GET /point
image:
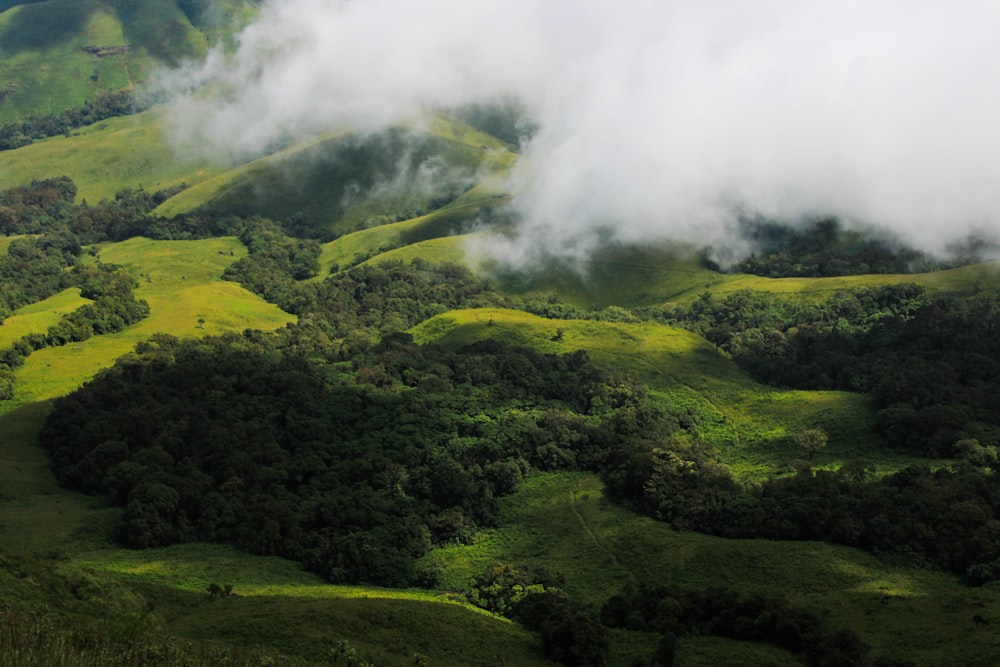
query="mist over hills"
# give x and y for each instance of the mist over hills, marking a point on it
(654, 120)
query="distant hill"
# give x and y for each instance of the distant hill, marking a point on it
(57, 54)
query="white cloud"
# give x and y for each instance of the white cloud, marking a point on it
(658, 119)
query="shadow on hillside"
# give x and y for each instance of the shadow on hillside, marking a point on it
(7, 4)
(41, 27)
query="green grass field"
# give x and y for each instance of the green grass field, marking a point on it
(181, 280)
(38, 317)
(106, 157)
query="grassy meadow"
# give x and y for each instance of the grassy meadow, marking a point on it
(182, 282)
(103, 158)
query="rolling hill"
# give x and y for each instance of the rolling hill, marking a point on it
(427, 191)
(58, 54)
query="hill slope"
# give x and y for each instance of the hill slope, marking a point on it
(58, 54)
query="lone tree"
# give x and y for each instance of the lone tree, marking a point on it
(812, 440)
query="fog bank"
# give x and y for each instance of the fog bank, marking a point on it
(657, 119)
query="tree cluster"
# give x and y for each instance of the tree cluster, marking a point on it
(929, 360)
(353, 468)
(572, 633)
(724, 612)
(107, 104)
(824, 248)
(47, 206)
(502, 586)
(34, 269)
(37, 207)
(944, 519)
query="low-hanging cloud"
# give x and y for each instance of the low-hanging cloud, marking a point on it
(657, 119)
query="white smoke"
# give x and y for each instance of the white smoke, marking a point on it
(657, 118)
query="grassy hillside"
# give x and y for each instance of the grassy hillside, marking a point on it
(442, 224)
(342, 181)
(181, 280)
(565, 523)
(43, 65)
(751, 424)
(106, 157)
(57, 54)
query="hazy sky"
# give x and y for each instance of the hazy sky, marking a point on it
(659, 119)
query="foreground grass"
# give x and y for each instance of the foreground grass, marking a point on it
(389, 626)
(64, 562)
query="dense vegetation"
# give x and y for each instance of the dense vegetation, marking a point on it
(825, 248)
(354, 469)
(47, 206)
(720, 611)
(941, 519)
(929, 360)
(108, 104)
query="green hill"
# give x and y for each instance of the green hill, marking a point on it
(107, 157)
(342, 182)
(57, 54)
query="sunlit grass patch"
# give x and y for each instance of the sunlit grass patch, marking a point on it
(39, 316)
(181, 281)
(103, 158)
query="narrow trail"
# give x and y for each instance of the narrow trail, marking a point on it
(597, 541)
